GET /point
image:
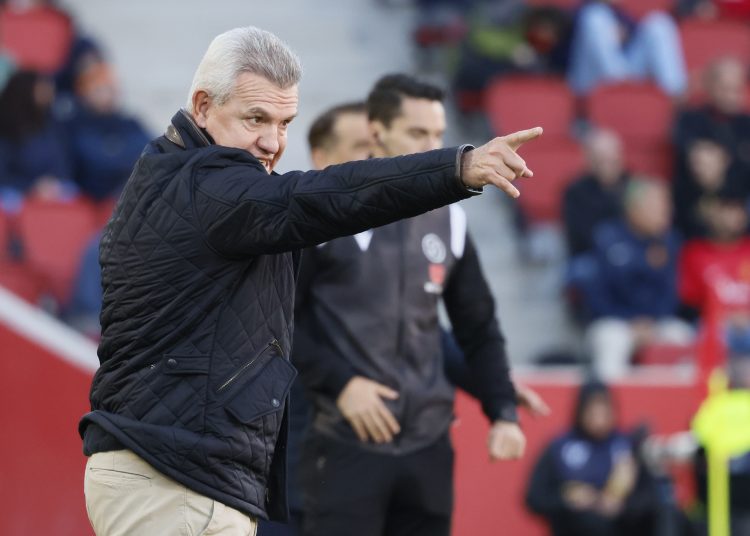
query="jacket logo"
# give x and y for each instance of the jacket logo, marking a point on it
(436, 273)
(433, 248)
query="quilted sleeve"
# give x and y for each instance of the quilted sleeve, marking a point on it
(245, 212)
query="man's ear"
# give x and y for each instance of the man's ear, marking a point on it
(318, 158)
(377, 131)
(201, 103)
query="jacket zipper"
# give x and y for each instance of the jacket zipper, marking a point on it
(274, 343)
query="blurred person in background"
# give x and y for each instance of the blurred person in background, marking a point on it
(340, 134)
(723, 118)
(85, 305)
(714, 9)
(188, 421)
(104, 142)
(511, 37)
(589, 481)
(707, 173)
(597, 195)
(378, 458)
(33, 155)
(608, 46)
(720, 264)
(632, 295)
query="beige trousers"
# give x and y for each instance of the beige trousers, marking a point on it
(125, 496)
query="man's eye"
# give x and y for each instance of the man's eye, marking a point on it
(254, 120)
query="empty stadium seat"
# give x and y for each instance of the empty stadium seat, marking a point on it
(54, 235)
(640, 8)
(520, 102)
(635, 110)
(18, 278)
(554, 166)
(642, 115)
(706, 41)
(38, 38)
(664, 354)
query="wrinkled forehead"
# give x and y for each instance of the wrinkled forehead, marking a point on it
(254, 92)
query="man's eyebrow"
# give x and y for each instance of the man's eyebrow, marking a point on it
(257, 110)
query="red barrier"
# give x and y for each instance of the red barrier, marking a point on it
(41, 473)
(490, 497)
(41, 468)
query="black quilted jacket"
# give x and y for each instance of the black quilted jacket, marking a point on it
(198, 272)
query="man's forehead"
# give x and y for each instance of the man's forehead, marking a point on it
(422, 111)
(255, 91)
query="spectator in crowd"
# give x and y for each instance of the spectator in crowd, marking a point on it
(368, 348)
(86, 300)
(608, 46)
(632, 293)
(104, 142)
(720, 263)
(589, 482)
(511, 37)
(707, 173)
(33, 156)
(722, 118)
(713, 9)
(597, 195)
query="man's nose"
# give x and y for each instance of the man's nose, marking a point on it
(268, 141)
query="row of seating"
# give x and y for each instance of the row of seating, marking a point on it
(41, 246)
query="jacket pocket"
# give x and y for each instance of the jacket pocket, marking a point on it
(182, 365)
(265, 390)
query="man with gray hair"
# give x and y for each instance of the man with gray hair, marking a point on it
(187, 432)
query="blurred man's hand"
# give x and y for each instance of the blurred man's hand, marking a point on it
(497, 163)
(530, 399)
(361, 404)
(505, 441)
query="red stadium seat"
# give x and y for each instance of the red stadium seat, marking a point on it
(21, 281)
(653, 160)
(54, 235)
(640, 8)
(636, 111)
(664, 354)
(554, 166)
(705, 41)
(520, 102)
(37, 38)
(642, 115)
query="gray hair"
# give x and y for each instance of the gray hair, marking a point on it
(244, 50)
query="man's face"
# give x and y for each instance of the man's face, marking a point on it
(255, 117)
(420, 127)
(350, 141)
(726, 88)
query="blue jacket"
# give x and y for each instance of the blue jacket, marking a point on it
(104, 149)
(634, 277)
(43, 153)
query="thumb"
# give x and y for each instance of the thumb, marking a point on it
(386, 392)
(516, 139)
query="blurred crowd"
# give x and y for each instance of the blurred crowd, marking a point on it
(643, 176)
(643, 190)
(66, 149)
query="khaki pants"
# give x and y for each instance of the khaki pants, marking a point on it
(126, 496)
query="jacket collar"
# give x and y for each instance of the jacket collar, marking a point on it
(184, 133)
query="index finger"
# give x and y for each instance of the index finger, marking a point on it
(516, 139)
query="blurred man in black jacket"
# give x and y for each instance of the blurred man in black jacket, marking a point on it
(378, 459)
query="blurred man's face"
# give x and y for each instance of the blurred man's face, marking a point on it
(597, 418)
(420, 127)
(708, 162)
(650, 214)
(255, 117)
(726, 87)
(604, 152)
(728, 220)
(350, 141)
